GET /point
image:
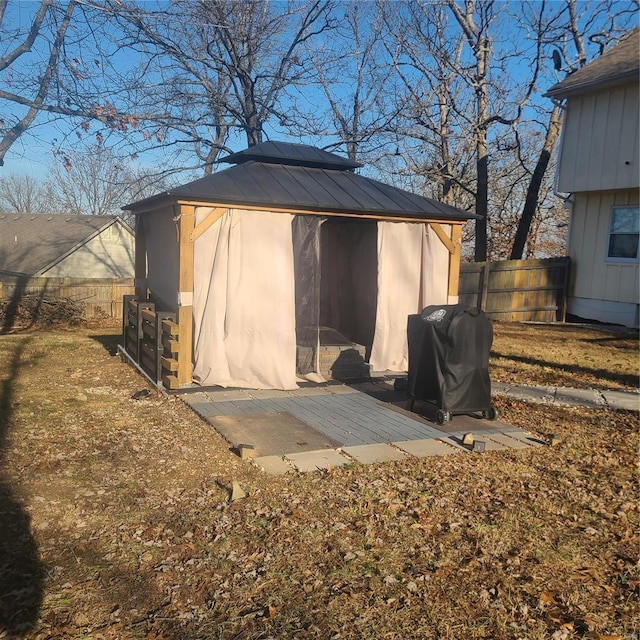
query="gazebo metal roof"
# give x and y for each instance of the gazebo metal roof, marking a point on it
(299, 177)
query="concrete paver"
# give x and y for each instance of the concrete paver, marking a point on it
(341, 390)
(506, 440)
(525, 437)
(611, 398)
(427, 447)
(221, 395)
(629, 400)
(315, 460)
(366, 418)
(536, 394)
(370, 453)
(489, 445)
(273, 465)
(260, 394)
(579, 397)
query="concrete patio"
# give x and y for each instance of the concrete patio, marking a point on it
(329, 425)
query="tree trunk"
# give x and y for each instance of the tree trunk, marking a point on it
(482, 162)
(482, 198)
(533, 190)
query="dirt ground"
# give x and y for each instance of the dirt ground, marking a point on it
(116, 522)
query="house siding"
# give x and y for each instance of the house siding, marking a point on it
(600, 289)
(600, 147)
(108, 255)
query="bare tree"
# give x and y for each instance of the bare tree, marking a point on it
(221, 68)
(472, 119)
(352, 72)
(23, 194)
(32, 94)
(475, 20)
(432, 139)
(56, 69)
(98, 183)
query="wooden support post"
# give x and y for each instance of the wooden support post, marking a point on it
(209, 221)
(444, 238)
(140, 281)
(454, 260)
(484, 286)
(562, 311)
(186, 223)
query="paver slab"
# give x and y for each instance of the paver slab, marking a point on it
(540, 394)
(272, 433)
(228, 394)
(629, 400)
(507, 440)
(341, 389)
(370, 453)
(490, 445)
(269, 393)
(578, 397)
(427, 447)
(314, 460)
(309, 391)
(526, 438)
(273, 465)
(465, 424)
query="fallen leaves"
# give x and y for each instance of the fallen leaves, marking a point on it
(130, 512)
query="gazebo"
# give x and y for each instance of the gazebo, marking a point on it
(289, 265)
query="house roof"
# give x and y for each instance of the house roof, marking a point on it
(298, 177)
(31, 244)
(618, 65)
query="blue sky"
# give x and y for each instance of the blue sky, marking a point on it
(33, 152)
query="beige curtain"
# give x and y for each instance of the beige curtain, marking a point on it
(244, 301)
(413, 272)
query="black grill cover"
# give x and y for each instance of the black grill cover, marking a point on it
(449, 357)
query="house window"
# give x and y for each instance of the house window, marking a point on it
(623, 233)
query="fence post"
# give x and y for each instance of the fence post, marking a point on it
(565, 290)
(484, 285)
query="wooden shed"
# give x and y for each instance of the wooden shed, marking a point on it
(288, 266)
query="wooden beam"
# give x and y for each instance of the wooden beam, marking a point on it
(324, 214)
(444, 238)
(170, 382)
(211, 218)
(186, 223)
(454, 260)
(169, 364)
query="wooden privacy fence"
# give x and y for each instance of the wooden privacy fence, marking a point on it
(99, 297)
(517, 290)
(151, 339)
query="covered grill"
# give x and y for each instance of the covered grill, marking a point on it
(449, 361)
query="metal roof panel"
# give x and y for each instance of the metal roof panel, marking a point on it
(287, 186)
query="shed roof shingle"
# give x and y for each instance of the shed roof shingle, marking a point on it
(616, 66)
(30, 243)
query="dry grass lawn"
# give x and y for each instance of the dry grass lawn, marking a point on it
(115, 519)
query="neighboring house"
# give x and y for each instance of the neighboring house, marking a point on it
(598, 166)
(66, 246)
